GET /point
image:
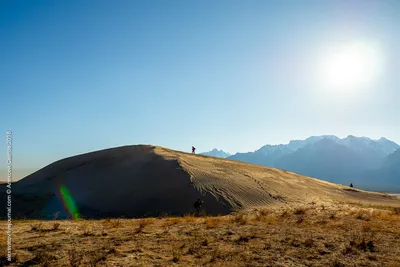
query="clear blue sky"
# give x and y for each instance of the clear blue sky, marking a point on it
(78, 76)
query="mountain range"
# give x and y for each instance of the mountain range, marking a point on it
(216, 153)
(370, 164)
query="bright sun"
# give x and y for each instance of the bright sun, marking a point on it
(351, 66)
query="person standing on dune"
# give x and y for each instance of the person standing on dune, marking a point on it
(193, 150)
(197, 206)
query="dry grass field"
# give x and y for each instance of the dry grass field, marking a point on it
(309, 235)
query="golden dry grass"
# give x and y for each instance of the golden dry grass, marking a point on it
(302, 236)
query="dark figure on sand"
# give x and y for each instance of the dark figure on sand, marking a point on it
(193, 150)
(197, 205)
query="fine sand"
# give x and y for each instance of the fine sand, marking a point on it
(136, 181)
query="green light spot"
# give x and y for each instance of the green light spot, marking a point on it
(69, 202)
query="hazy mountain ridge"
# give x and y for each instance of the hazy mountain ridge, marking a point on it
(393, 159)
(324, 159)
(350, 159)
(217, 153)
(266, 156)
(387, 174)
(382, 147)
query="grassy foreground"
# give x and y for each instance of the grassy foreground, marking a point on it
(304, 236)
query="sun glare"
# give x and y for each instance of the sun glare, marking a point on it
(351, 66)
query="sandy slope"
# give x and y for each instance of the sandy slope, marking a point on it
(146, 180)
(246, 185)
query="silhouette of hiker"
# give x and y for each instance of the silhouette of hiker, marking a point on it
(197, 205)
(351, 184)
(193, 150)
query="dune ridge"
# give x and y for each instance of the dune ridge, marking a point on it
(246, 185)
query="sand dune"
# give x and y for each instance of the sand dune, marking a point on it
(246, 185)
(145, 180)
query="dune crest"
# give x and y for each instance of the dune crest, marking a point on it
(248, 186)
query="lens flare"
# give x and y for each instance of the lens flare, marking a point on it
(69, 202)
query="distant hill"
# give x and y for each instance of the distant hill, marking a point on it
(266, 156)
(136, 181)
(387, 177)
(216, 153)
(393, 161)
(326, 157)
